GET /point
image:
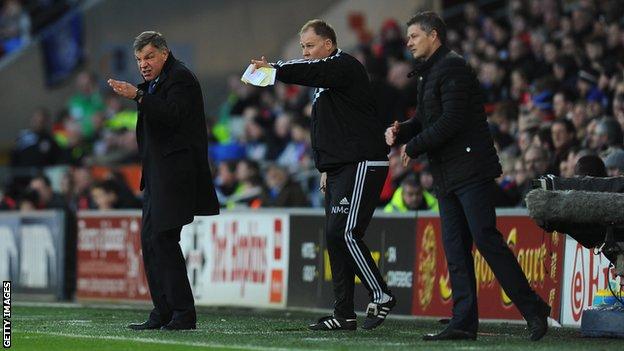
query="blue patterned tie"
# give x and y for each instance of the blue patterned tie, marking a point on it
(152, 87)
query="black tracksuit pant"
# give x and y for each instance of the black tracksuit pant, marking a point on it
(165, 269)
(351, 195)
(467, 215)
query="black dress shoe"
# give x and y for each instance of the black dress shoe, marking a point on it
(538, 324)
(177, 325)
(147, 325)
(450, 334)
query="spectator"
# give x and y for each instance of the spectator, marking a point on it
(85, 103)
(296, 154)
(14, 26)
(563, 103)
(226, 182)
(281, 190)
(250, 190)
(563, 137)
(408, 197)
(47, 198)
(256, 138)
(35, 147)
(81, 182)
(536, 161)
(615, 163)
(606, 134)
(281, 135)
(105, 195)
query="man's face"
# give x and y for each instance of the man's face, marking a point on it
(314, 47)
(560, 105)
(560, 135)
(419, 42)
(103, 199)
(151, 61)
(412, 196)
(44, 191)
(598, 138)
(535, 162)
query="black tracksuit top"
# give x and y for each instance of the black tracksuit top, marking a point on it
(345, 128)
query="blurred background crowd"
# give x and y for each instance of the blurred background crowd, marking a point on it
(551, 72)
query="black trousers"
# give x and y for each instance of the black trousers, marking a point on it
(350, 199)
(468, 215)
(165, 268)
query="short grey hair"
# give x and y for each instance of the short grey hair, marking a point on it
(150, 37)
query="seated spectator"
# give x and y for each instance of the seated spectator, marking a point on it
(47, 197)
(105, 195)
(256, 138)
(408, 197)
(35, 147)
(536, 161)
(85, 103)
(296, 154)
(250, 190)
(281, 190)
(563, 103)
(225, 182)
(564, 137)
(281, 135)
(14, 26)
(606, 134)
(614, 163)
(81, 182)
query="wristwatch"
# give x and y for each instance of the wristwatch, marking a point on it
(139, 95)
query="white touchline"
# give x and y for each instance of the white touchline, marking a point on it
(168, 342)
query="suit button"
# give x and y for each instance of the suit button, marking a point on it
(420, 78)
(468, 149)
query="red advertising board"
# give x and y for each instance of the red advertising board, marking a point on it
(540, 255)
(109, 260)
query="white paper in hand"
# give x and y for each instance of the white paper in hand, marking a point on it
(260, 77)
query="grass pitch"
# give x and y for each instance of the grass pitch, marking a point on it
(72, 327)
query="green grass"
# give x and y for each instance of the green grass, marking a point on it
(56, 327)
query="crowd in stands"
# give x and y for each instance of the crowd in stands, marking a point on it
(551, 72)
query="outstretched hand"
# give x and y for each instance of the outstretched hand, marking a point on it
(122, 88)
(260, 63)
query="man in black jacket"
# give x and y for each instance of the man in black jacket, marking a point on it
(348, 149)
(176, 178)
(451, 128)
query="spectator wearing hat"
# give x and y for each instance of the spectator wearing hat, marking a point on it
(606, 134)
(614, 163)
(587, 86)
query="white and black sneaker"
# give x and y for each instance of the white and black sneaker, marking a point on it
(334, 323)
(376, 313)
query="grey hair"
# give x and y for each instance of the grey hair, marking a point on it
(150, 37)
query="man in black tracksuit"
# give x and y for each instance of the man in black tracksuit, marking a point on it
(451, 128)
(349, 151)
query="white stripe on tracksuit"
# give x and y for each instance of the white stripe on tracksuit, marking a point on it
(354, 249)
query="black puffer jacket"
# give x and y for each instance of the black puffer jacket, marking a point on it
(450, 124)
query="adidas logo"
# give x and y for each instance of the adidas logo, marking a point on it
(344, 201)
